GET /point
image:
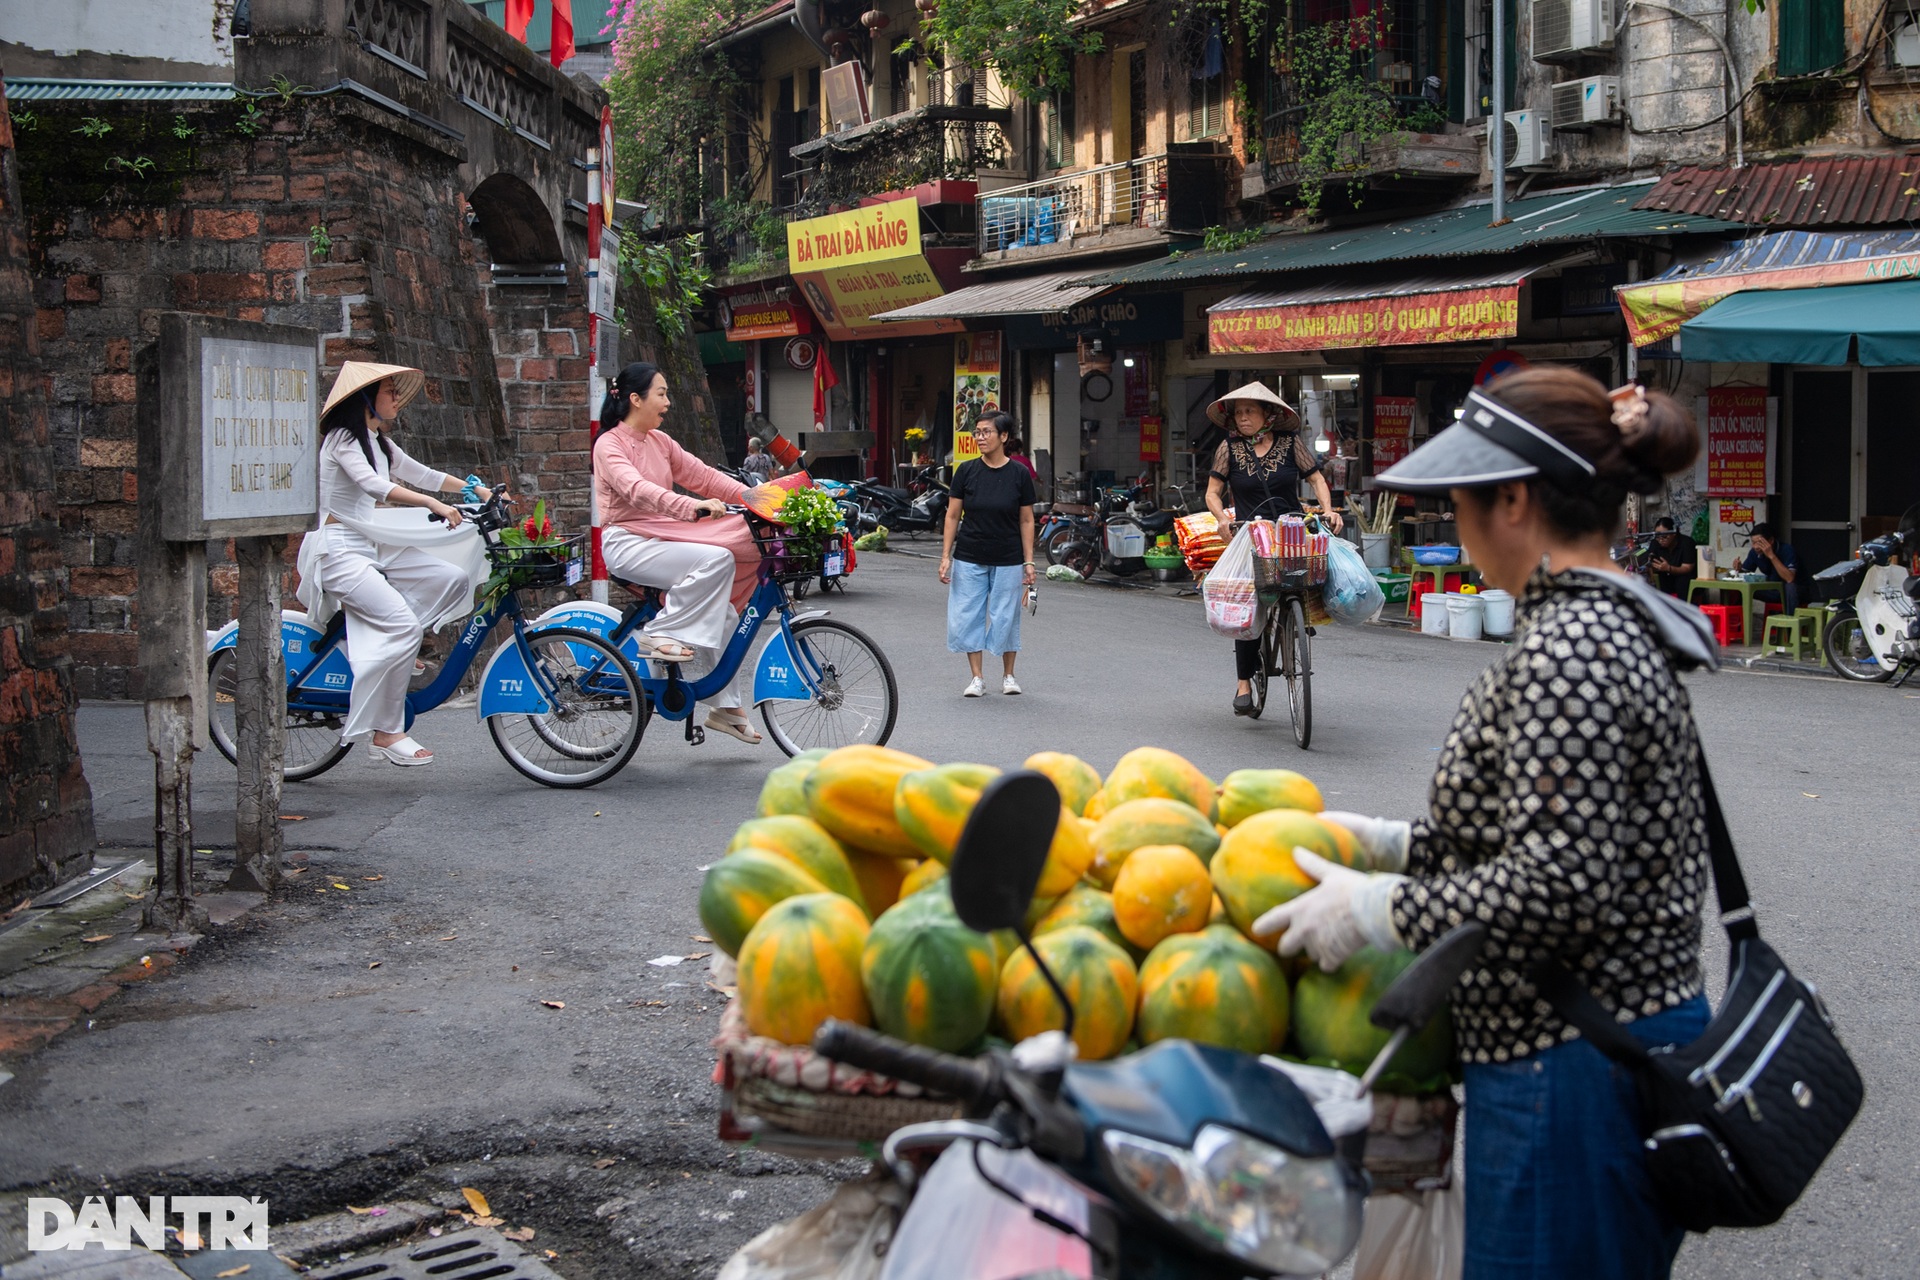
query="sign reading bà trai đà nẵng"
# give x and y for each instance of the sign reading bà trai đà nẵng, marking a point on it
(1455, 315)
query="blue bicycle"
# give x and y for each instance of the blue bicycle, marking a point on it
(563, 700)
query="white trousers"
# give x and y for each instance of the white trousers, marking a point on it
(698, 580)
(385, 592)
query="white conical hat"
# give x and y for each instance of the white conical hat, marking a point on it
(1256, 391)
(358, 374)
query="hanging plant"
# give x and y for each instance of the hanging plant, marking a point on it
(1029, 42)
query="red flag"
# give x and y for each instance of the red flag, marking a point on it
(562, 45)
(824, 379)
(519, 14)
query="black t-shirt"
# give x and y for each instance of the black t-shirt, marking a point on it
(990, 499)
(1683, 551)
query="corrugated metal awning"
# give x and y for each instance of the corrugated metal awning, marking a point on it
(1858, 190)
(1029, 296)
(1656, 308)
(30, 89)
(1608, 212)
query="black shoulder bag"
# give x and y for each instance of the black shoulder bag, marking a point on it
(1737, 1122)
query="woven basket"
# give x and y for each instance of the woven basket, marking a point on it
(852, 1117)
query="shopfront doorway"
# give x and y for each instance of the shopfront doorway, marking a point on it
(1854, 446)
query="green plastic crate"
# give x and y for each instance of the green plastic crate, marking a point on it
(1395, 585)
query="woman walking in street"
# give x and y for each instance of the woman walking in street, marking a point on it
(758, 466)
(986, 553)
(1567, 816)
(1259, 467)
(391, 593)
(705, 560)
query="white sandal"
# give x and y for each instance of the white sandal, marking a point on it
(664, 650)
(734, 724)
(402, 753)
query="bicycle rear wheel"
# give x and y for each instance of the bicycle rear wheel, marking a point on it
(855, 698)
(313, 740)
(1297, 666)
(595, 716)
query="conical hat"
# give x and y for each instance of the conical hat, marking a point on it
(1217, 411)
(356, 375)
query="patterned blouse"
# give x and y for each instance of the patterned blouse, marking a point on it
(1264, 485)
(1567, 816)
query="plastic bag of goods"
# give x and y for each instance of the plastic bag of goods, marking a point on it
(1232, 608)
(1353, 594)
(1199, 539)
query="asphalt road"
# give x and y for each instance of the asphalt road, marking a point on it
(344, 1046)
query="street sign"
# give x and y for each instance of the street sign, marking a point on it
(238, 413)
(609, 272)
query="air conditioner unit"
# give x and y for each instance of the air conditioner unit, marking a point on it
(1588, 101)
(1567, 29)
(1529, 139)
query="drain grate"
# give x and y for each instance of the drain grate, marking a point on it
(478, 1254)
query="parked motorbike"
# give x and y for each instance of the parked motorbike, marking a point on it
(1181, 1160)
(1123, 526)
(919, 508)
(1872, 629)
(1061, 523)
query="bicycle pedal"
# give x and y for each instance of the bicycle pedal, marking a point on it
(1312, 632)
(696, 736)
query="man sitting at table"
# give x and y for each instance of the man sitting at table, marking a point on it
(1674, 558)
(1776, 560)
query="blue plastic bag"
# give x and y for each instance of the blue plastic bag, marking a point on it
(1353, 595)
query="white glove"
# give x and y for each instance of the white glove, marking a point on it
(1347, 910)
(1383, 840)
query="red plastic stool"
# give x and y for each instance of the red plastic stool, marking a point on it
(1728, 625)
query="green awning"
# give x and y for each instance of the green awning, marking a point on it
(1557, 219)
(1810, 326)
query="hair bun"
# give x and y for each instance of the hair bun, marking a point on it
(1662, 440)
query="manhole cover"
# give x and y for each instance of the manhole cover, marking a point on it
(479, 1254)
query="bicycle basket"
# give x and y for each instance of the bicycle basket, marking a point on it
(549, 564)
(786, 556)
(1275, 576)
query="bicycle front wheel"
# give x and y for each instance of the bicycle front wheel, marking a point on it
(1297, 667)
(313, 741)
(855, 699)
(595, 716)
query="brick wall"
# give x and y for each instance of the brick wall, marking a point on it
(46, 810)
(227, 227)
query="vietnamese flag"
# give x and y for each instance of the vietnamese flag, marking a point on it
(824, 379)
(561, 47)
(519, 14)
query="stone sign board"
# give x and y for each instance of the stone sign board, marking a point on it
(239, 413)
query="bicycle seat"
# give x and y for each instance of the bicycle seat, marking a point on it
(645, 594)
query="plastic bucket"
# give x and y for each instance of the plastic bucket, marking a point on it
(1433, 613)
(1498, 619)
(1375, 549)
(1465, 616)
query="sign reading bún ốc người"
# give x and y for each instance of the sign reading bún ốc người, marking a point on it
(1456, 315)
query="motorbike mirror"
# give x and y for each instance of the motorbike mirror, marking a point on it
(1002, 850)
(1422, 987)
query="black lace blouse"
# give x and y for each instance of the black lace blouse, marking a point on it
(1264, 485)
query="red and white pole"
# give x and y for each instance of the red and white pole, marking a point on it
(596, 381)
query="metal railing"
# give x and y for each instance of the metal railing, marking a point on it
(1132, 193)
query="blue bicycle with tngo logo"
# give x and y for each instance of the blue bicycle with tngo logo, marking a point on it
(568, 696)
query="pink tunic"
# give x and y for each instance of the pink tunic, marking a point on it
(633, 479)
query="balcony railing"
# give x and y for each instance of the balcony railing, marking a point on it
(927, 144)
(1173, 191)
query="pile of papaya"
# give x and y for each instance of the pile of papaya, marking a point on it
(833, 902)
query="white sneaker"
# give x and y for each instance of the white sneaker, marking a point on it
(1009, 685)
(976, 687)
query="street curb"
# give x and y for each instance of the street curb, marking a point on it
(332, 1234)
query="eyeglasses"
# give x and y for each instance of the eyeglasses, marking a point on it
(985, 431)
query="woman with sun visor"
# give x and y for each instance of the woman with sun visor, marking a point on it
(1566, 815)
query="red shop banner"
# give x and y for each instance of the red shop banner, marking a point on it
(1737, 442)
(1455, 315)
(1150, 431)
(1392, 429)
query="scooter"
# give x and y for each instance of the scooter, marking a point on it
(1124, 525)
(1181, 1160)
(903, 510)
(1872, 629)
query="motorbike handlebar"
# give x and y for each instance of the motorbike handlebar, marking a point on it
(964, 1078)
